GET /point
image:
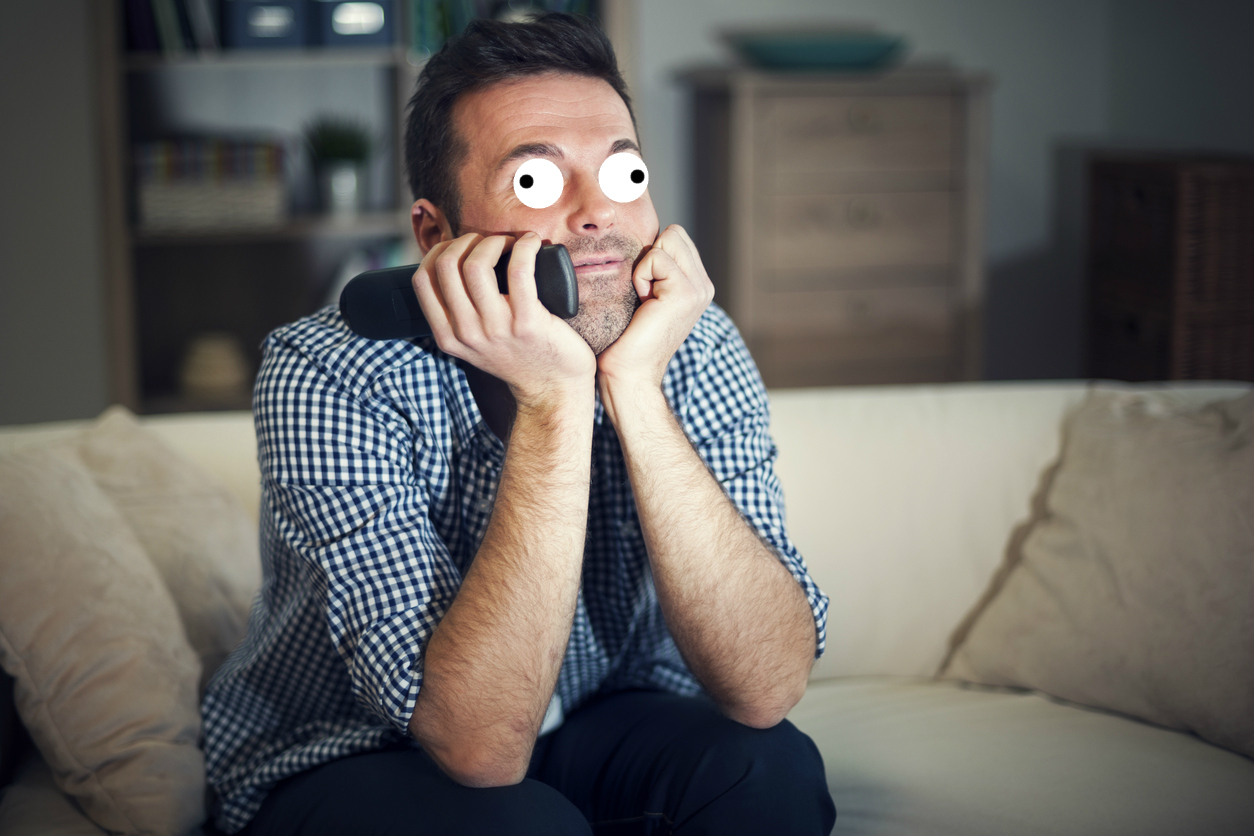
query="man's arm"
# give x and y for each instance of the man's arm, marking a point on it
(492, 662)
(739, 618)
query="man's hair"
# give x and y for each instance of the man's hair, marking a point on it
(488, 52)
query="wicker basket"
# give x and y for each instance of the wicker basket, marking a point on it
(1172, 269)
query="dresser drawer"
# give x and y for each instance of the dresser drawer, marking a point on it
(827, 360)
(826, 134)
(899, 335)
(905, 316)
(843, 231)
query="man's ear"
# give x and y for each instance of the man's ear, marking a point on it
(430, 225)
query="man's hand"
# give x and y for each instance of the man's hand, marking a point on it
(741, 622)
(513, 338)
(674, 290)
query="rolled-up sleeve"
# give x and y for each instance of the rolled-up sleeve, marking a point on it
(342, 488)
(726, 414)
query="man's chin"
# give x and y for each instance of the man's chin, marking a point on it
(602, 322)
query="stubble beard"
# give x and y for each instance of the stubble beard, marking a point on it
(606, 306)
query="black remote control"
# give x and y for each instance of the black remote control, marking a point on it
(381, 304)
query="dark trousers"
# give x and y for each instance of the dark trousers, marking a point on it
(639, 762)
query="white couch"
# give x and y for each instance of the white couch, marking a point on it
(903, 501)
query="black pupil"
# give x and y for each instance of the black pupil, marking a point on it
(637, 176)
(526, 181)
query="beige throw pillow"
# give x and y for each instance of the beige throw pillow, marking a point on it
(1132, 589)
(106, 681)
(192, 528)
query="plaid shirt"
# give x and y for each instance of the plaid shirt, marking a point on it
(378, 478)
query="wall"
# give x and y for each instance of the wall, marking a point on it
(1182, 74)
(52, 339)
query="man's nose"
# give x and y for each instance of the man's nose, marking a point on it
(592, 213)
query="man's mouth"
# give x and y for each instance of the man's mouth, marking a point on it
(597, 264)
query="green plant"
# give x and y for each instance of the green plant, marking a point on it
(338, 138)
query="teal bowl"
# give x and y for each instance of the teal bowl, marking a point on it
(817, 50)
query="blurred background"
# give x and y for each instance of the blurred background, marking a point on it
(180, 176)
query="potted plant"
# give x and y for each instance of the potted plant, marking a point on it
(340, 148)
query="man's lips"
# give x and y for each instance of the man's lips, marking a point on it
(597, 264)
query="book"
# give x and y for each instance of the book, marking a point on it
(209, 183)
(169, 32)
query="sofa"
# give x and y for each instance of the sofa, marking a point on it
(947, 525)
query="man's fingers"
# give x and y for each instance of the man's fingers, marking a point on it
(463, 318)
(656, 273)
(479, 270)
(676, 243)
(432, 303)
(522, 271)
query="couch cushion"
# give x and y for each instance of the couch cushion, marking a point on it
(915, 756)
(1133, 588)
(902, 500)
(195, 532)
(223, 444)
(106, 681)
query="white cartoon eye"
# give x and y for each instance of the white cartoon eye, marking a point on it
(538, 183)
(623, 177)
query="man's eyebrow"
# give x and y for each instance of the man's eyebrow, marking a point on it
(531, 149)
(541, 149)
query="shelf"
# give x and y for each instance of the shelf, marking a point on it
(163, 287)
(368, 225)
(383, 56)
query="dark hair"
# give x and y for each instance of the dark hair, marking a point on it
(490, 51)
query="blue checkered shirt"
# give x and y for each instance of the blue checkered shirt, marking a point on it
(378, 478)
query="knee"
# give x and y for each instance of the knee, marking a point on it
(764, 780)
(523, 809)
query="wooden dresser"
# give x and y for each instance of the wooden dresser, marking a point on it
(841, 219)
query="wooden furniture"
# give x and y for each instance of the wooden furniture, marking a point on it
(841, 218)
(163, 289)
(1171, 268)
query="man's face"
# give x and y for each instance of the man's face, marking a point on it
(576, 123)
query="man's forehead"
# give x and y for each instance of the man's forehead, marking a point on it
(543, 115)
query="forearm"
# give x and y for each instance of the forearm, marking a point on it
(739, 618)
(491, 665)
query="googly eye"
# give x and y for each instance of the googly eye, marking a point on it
(623, 177)
(538, 183)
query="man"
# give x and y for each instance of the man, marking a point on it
(524, 576)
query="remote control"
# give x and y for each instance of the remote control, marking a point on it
(381, 304)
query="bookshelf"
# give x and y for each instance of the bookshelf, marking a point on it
(164, 288)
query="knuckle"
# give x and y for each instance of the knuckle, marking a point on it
(464, 335)
(445, 339)
(497, 331)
